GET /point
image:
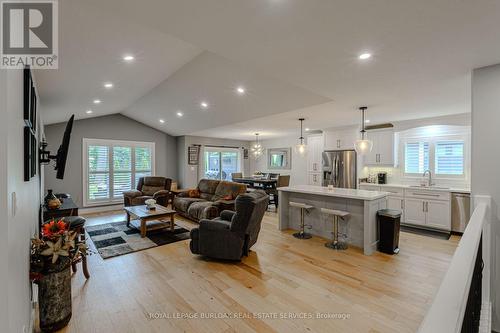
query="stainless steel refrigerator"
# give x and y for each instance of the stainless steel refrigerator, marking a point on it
(339, 168)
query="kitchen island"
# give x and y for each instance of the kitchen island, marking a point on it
(361, 226)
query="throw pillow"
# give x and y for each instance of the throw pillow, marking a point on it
(194, 193)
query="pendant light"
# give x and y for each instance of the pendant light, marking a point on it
(257, 149)
(301, 148)
(364, 145)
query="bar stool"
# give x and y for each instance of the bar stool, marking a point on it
(335, 244)
(303, 208)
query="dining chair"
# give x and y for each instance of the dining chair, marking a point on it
(282, 181)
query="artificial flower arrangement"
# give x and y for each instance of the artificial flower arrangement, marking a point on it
(150, 203)
(55, 250)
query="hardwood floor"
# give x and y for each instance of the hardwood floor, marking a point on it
(282, 276)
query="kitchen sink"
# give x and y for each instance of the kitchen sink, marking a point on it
(430, 187)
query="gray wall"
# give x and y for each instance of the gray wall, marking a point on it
(113, 127)
(486, 162)
(188, 174)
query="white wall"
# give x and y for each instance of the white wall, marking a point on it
(19, 223)
(298, 171)
(486, 162)
(188, 174)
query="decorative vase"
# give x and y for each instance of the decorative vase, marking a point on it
(54, 296)
(51, 201)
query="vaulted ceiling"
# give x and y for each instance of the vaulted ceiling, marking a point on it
(294, 57)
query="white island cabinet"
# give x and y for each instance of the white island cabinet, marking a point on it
(362, 205)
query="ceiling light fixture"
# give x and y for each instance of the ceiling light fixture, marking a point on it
(108, 85)
(365, 56)
(257, 149)
(89, 111)
(179, 114)
(97, 101)
(241, 90)
(162, 121)
(128, 58)
(307, 129)
(301, 148)
(204, 105)
(367, 121)
(364, 145)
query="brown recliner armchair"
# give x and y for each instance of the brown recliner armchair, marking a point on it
(157, 188)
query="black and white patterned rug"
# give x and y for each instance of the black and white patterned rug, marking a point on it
(116, 239)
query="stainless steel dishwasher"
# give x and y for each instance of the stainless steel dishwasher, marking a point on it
(460, 211)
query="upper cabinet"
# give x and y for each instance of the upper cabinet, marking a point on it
(315, 149)
(383, 148)
(340, 139)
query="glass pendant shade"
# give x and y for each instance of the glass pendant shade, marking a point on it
(363, 146)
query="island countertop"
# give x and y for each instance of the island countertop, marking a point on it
(335, 192)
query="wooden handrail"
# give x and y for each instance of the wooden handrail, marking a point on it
(448, 308)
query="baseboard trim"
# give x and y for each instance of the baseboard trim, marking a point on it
(99, 209)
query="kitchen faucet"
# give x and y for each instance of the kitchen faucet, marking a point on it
(429, 182)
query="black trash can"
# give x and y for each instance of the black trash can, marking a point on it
(389, 221)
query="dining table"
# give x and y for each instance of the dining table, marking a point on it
(264, 183)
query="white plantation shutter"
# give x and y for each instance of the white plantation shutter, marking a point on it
(98, 177)
(450, 158)
(113, 167)
(416, 157)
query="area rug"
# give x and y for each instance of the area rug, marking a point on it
(116, 239)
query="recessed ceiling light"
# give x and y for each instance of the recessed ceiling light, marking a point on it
(97, 101)
(128, 58)
(204, 105)
(367, 121)
(162, 121)
(89, 111)
(179, 114)
(108, 85)
(307, 129)
(364, 56)
(241, 90)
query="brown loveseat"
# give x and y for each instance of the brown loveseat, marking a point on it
(157, 188)
(209, 199)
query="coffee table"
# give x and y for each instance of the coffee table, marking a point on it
(143, 215)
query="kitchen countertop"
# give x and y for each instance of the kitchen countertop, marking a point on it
(336, 192)
(451, 189)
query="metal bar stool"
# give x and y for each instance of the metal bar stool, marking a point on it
(335, 243)
(303, 208)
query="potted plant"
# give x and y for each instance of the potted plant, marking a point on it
(51, 258)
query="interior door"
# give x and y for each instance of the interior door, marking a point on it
(415, 211)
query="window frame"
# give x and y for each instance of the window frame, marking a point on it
(433, 140)
(86, 142)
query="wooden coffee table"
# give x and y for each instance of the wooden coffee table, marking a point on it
(143, 215)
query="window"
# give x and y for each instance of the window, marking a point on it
(416, 157)
(113, 167)
(221, 163)
(450, 158)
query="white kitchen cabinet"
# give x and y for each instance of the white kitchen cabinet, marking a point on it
(315, 179)
(415, 211)
(397, 203)
(383, 148)
(438, 214)
(314, 155)
(340, 139)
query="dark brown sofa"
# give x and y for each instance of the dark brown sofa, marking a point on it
(213, 199)
(157, 188)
